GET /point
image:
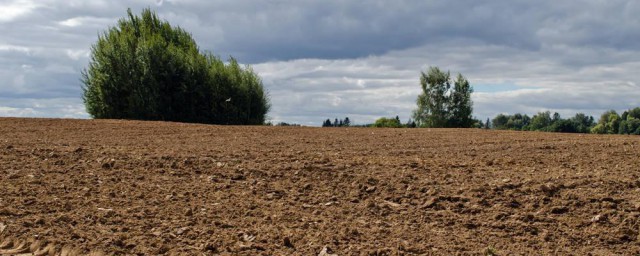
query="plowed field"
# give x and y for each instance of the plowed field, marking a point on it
(128, 187)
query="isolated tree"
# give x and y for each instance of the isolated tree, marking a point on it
(440, 105)
(347, 122)
(143, 68)
(487, 125)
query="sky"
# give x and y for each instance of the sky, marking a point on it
(356, 59)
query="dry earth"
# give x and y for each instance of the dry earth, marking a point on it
(127, 187)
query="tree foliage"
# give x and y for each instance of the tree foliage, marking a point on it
(544, 121)
(611, 123)
(388, 122)
(440, 104)
(346, 122)
(143, 68)
(608, 123)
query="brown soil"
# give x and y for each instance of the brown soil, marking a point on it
(128, 187)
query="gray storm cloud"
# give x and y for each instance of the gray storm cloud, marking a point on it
(326, 59)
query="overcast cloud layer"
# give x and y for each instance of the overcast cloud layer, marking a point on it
(327, 59)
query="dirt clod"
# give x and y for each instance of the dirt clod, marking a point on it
(287, 242)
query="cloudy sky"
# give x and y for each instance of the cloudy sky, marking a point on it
(361, 59)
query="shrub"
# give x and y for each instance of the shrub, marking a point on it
(143, 68)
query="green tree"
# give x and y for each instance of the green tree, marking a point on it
(440, 104)
(542, 121)
(609, 123)
(634, 113)
(461, 106)
(410, 124)
(387, 122)
(630, 122)
(633, 126)
(433, 102)
(143, 68)
(582, 123)
(346, 122)
(518, 122)
(500, 122)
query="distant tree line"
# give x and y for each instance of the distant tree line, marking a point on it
(543, 121)
(285, 124)
(393, 123)
(609, 123)
(337, 123)
(612, 123)
(388, 122)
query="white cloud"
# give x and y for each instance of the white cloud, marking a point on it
(12, 10)
(21, 112)
(15, 48)
(88, 21)
(77, 54)
(34, 107)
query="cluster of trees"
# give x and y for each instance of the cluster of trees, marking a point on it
(393, 123)
(444, 102)
(543, 121)
(145, 69)
(388, 122)
(337, 123)
(612, 123)
(609, 123)
(285, 124)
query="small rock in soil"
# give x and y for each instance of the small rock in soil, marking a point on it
(326, 252)
(248, 238)
(181, 231)
(370, 189)
(430, 203)
(392, 204)
(599, 218)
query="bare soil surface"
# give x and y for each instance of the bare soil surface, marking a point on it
(129, 187)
